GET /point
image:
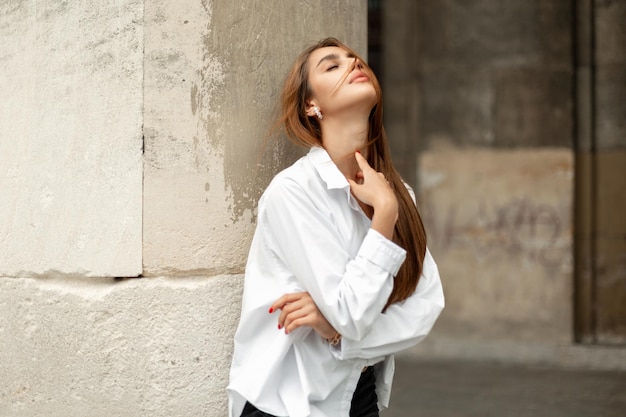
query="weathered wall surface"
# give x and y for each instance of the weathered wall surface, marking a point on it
(516, 146)
(70, 138)
(485, 134)
(201, 77)
(99, 347)
(499, 222)
(601, 173)
(212, 75)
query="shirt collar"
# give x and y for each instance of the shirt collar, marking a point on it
(330, 174)
(327, 169)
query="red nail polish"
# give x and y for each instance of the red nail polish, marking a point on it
(271, 310)
(280, 327)
(358, 151)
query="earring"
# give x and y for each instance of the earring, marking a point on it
(318, 113)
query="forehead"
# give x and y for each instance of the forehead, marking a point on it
(320, 53)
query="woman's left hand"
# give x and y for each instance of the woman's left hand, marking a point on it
(299, 309)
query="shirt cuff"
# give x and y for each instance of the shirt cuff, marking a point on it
(382, 252)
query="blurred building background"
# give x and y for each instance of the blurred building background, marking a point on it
(509, 118)
(132, 156)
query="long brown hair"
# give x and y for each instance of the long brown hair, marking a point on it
(409, 230)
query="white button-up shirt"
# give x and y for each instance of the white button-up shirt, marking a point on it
(312, 236)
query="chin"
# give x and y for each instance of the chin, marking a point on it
(364, 98)
(368, 95)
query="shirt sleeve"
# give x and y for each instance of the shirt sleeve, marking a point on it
(403, 324)
(350, 293)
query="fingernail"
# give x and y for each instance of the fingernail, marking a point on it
(358, 151)
(271, 310)
(280, 327)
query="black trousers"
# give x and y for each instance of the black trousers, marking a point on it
(364, 400)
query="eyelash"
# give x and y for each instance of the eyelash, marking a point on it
(332, 67)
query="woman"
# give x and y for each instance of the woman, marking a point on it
(338, 277)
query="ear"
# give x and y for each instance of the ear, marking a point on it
(310, 104)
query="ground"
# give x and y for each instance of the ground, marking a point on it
(480, 389)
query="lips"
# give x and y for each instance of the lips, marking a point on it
(358, 76)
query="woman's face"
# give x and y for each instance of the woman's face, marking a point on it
(338, 82)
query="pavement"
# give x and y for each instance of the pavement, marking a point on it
(462, 388)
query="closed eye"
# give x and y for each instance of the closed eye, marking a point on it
(332, 67)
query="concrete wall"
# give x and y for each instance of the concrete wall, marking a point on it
(70, 148)
(601, 173)
(488, 119)
(503, 242)
(508, 119)
(483, 108)
(197, 81)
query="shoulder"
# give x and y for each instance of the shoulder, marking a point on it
(292, 185)
(291, 178)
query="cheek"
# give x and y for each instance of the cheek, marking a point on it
(324, 87)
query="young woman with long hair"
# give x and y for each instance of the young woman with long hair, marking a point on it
(338, 277)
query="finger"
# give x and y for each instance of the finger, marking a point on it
(307, 315)
(297, 309)
(286, 311)
(361, 161)
(299, 322)
(299, 315)
(279, 303)
(285, 299)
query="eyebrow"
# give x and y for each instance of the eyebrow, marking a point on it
(331, 57)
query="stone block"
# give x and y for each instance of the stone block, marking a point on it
(610, 111)
(490, 31)
(116, 348)
(610, 247)
(400, 85)
(532, 107)
(212, 78)
(499, 107)
(584, 252)
(500, 228)
(492, 73)
(601, 247)
(455, 106)
(610, 37)
(70, 142)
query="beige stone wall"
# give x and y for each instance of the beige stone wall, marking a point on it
(86, 80)
(70, 138)
(212, 75)
(96, 347)
(500, 228)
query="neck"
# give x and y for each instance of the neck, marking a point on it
(342, 137)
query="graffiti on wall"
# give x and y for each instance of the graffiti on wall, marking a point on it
(521, 227)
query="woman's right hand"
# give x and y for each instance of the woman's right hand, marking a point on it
(375, 191)
(299, 309)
